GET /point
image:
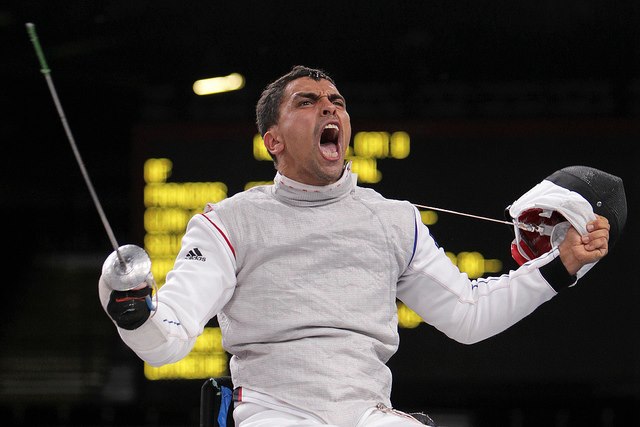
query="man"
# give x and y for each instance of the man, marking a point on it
(304, 275)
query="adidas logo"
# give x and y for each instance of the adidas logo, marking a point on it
(196, 255)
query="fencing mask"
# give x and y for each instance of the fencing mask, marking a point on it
(568, 197)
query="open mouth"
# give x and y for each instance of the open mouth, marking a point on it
(329, 142)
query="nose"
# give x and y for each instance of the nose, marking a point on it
(328, 107)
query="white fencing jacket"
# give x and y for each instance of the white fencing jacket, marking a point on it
(304, 281)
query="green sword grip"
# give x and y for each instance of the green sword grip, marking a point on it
(31, 29)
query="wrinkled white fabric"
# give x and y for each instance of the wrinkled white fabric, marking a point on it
(256, 415)
(549, 196)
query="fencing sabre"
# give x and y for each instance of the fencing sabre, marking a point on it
(128, 266)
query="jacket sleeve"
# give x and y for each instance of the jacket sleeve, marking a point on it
(195, 290)
(467, 310)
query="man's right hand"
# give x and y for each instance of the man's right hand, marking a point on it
(129, 308)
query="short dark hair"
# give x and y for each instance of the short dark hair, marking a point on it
(268, 106)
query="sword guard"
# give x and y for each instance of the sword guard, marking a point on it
(130, 274)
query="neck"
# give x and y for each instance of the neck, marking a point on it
(299, 193)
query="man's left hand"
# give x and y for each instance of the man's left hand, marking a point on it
(577, 251)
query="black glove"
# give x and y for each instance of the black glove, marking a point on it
(129, 308)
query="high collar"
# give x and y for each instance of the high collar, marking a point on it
(298, 194)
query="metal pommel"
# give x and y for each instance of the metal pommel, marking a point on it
(135, 270)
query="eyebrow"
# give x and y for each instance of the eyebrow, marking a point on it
(314, 96)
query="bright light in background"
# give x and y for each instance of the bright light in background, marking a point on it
(233, 81)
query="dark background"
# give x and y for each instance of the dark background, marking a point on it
(495, 95)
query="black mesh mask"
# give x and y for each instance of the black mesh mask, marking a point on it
(605, 193)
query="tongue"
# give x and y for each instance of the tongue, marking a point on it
(329, 151)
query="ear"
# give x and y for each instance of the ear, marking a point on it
(272, 143)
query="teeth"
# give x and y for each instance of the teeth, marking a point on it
(331, 126)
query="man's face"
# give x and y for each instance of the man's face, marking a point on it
(312, 134)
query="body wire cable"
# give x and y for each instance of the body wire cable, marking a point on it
(463, 214)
